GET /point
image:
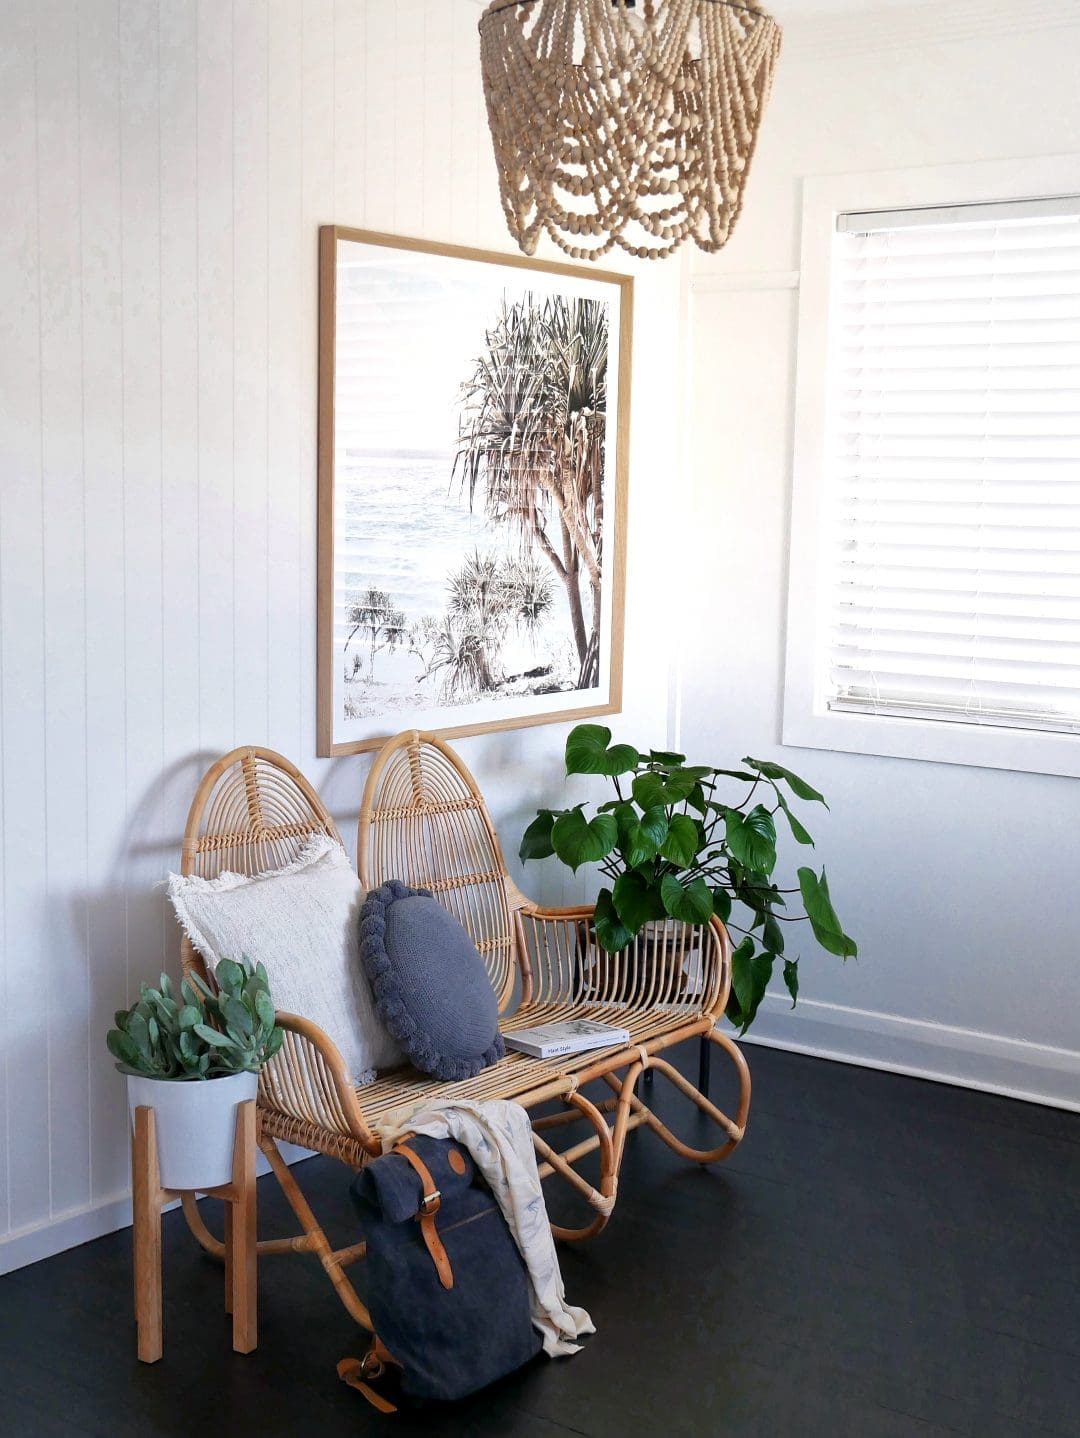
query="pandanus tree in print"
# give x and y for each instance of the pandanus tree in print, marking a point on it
(382, 624)
(485, 597)
(531, 445)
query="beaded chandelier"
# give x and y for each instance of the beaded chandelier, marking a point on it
(619, 124)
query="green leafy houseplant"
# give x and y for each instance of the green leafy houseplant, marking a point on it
(673, 847)
(197, 1033)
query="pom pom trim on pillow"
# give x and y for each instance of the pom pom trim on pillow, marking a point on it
(389, 998)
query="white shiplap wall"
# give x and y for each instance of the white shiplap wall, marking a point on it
(163, 170)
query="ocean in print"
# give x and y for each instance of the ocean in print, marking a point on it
(405, 528)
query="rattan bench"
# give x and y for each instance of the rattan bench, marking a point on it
(424, 821)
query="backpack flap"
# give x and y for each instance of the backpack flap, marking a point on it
(392, 1186)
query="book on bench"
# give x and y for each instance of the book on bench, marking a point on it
(572, 1036)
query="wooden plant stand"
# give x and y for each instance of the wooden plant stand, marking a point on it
(148, 1198)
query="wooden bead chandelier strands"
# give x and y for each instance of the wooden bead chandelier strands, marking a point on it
(623, 124)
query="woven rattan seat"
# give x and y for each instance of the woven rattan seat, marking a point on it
(424, 821)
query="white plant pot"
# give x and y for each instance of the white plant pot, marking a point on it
(195, 1124)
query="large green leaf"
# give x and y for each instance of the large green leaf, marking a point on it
(665, 757)
(750, 975)
(721, 902)
(692, 903)
(791, 979)
(798, 786)
(819, 910)
(589, 751)
(802, 835)
(636, 900)
(681, 841)
(751, 838)
(611, 933)
(696, 800)
(772, 934)
(651, 789)
(641, 838)
(579, 841)
(536, 840)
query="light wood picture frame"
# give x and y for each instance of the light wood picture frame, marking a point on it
(473, 437)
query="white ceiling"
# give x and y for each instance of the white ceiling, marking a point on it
(789, 9)
(785, 9)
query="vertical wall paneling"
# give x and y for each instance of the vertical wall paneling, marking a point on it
(216, 359)
(250, 307)
(316, 207)
(379, 118)
(64, 981)
(467, 101)
(25, 1195)
(165, 168)
(350, 115)
(103, 469)
(142, 842)
(178, 318)
(286, 255)
(409, 105)
(435, 91)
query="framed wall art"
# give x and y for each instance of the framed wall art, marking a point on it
(473, 419)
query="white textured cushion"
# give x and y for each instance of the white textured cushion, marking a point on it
(301, 922)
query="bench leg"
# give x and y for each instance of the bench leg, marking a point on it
(704, 1057)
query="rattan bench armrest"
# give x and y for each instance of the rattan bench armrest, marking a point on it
(554, 955)
(308, 1080)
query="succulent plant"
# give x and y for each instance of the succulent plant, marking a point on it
(199, 1032)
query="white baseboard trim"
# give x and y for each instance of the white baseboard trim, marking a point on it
(1015, 1068)
(68, 1230)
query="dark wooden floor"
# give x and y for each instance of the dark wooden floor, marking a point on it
(882, 1257)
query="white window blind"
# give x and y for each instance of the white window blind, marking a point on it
(954, 460)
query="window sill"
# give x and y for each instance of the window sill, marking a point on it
(934, 741)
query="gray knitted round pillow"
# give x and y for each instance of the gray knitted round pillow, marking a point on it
(431, 989)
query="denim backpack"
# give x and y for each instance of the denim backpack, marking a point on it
(442, 1278)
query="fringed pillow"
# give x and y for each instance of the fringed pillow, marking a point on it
(431, 988)
(300, 921)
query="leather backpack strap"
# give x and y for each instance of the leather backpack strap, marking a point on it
(429, 1207)
(356, 1371)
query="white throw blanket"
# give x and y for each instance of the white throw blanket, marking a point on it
(498, 1135)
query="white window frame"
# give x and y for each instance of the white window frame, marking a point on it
(807, 721)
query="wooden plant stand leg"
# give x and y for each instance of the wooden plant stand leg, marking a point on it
(148, 1198)
(241, 1266)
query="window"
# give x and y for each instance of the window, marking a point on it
(945, 613)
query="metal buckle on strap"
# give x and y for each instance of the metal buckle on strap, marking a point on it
(430, 1203)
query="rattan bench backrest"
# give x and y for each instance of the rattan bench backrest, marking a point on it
(253, 812)
(423, 821)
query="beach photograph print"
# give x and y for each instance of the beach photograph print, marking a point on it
(471, 490)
